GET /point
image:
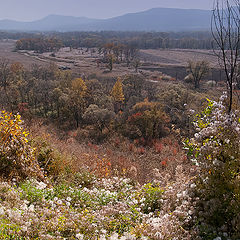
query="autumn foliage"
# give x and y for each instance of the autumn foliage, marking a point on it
(16, 153)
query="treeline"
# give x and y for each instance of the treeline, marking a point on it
(141, 40)
(18, 35)
(39, 45)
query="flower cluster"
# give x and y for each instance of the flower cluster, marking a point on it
(112, 208)
(215, 148)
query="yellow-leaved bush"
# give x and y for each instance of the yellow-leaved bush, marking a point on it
(17, 156)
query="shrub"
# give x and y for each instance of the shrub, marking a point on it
(215, 148)
(147, 121)
(100, 119)
(17, 156)
(152, 198)
(51, 160)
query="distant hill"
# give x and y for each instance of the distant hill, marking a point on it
(156, 19)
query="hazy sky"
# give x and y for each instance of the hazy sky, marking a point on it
(26, 10)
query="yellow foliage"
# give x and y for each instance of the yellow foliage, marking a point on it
(17, 157)
(117, 91)
(79, 86)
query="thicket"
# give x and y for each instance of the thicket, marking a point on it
(100, 106)
(215, 149)
(39, 45)
(139, 40)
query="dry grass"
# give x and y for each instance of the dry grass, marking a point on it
(179, 57)
(119, 156)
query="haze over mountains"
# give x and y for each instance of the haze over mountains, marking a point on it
(156, 19)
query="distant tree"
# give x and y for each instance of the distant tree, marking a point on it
(110, 61)
(4, 73)
(133, 88)
(147, 120)
(136, 64)
(5, 77)
(197, 70)
(77, 102)
(117, 94)
(99, 117)
(226, 34)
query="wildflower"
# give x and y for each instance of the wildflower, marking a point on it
(41, 185)
(79, 236)
(217, 238)
(31, 208)
(102, 237)
(69, 199)
(103, 231)
(158, 235)
(24, 229)
(114, 236)
(1, 211)
(193, 185)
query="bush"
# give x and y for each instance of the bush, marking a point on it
(215, 148)
(51, 160)
(148, 121)
(17, 156)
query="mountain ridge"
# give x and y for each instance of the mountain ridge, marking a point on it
(155, 19)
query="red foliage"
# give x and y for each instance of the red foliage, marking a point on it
(134, 117)
(164, 163)
(22, 107)
(175, 151)
(130, 147)
(141, 150)
(116, 142)
(158, 147)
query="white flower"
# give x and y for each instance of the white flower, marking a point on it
(193, 185)
(184, 193)
(41, 185)
(190, 212)
(69, 199)
(158, 235)
(59, 202)
(114, 237)
(1, 211)
(102, 237)
(227, 141)
(31, 208)
(24, 229)
(103, 231)
(179, 195)
(79, 236)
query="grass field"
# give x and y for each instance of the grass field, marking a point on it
(171, 62)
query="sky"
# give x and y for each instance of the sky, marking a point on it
(28, 10)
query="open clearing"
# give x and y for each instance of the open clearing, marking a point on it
(171, 62)
(179, 57)
(7, 51)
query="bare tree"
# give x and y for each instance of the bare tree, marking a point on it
(5, 78)
(226, 34)
(197, 70)
(4, 73)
